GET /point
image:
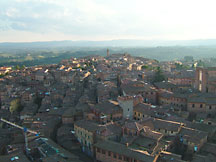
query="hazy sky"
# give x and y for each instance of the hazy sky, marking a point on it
(43, 20)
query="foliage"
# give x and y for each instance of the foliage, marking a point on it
(158, 77)
(179, 66)
(17, 67)
(145, 67)
(201, 63)
(15, 106)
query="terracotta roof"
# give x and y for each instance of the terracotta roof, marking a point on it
(124, 150)
(133, 125)
(165, 124)
(88, 125)
(192, 135)
(107, 107)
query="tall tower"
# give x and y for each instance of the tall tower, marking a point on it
(126, 103)
(107, 52)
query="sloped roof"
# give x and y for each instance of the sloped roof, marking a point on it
(124, 150)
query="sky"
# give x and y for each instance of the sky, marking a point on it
(48, 20)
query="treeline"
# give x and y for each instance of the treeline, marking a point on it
(50, 59)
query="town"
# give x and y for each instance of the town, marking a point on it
(113, 108)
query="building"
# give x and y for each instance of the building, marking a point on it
(126, 103)
(85, 132)
(202, 103)
(107, 52)
(106, 151)
(107, 111)
(143, 110)
(195, 139)
(205, 79)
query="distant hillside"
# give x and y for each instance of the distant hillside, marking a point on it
(113, 43)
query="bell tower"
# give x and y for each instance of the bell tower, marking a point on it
(107, 52)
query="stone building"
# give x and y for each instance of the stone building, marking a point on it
(205, 79)
(126, 103)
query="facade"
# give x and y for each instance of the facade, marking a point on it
(85, 132)
(126, 103)
(107, 151)
(193, 138)
(167, 128)
(143, 110)
(107, 111)
(203, 103)
(205, 79)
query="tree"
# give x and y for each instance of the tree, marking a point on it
(17, 67)
(158, 77)
(15, 106)
(201, 63)
(22, 67)
(179, 66)
(145, 67)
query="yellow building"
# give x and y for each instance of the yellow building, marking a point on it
(85, 132)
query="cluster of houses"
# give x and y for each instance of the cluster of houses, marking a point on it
(111, 109)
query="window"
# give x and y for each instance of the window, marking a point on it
(109, 153)
(128, 109)
(143, 116)
(98, 150)
(134, 113)
(201, 105)
(210, 107)
(120, 157)
(103, 152)
(114, 155)
(193, 105)
(126, 159)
